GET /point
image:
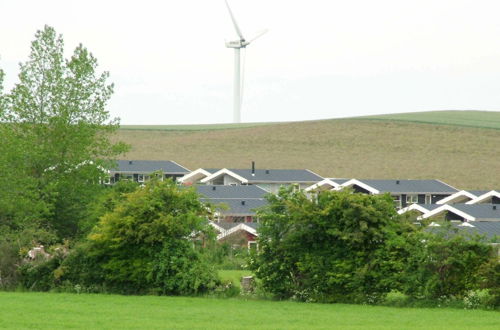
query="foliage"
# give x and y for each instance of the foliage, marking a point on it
(333, 247)
(443, 263)
(57, 129)
(148, 243)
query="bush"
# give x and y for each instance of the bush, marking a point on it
(151, 242)
(443, 264)
(331, 248)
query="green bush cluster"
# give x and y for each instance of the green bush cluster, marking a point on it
(149, 243)
(348, 247)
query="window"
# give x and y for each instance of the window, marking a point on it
(411, 199)
(252, 245)
(397, 201)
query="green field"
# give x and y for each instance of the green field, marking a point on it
(463, 156)
(206, 127)
(481, 119)
(63, 311)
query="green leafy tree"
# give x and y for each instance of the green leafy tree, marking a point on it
(333, 247)
(148, 243)
(57, 131)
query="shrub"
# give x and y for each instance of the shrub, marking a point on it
(332, 248)
(443, 264)
(147, 244)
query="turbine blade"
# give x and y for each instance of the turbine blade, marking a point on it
(258, 35)
(238, 31)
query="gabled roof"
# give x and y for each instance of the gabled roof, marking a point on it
(476, 212)
(458, 197)
(484, 197)
(196, 175)
(402, 186)
(326, 184)
(231, 192)
(422, 208)
(267, 176)
(231, 228)
(149, 166)
(236, 207)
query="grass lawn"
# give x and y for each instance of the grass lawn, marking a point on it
(234, 276)
(63, 311)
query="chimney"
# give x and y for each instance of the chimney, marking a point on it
(253, 168)
(130, 162)
(213, 188)
(397, 181)
(242, 202)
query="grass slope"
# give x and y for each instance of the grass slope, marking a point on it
(481, 119)
(63, 311)
(206, 127)
(465, 157)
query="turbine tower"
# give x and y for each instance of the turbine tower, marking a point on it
(237, 45)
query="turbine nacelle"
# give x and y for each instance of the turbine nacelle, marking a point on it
(237, 44)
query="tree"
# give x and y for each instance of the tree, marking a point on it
(148, 244)
(57, 131)
(333, 247)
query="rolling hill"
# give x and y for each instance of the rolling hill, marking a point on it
(458, 147)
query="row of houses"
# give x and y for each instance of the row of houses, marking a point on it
(237, 193)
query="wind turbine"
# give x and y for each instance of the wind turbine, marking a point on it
(237, 45)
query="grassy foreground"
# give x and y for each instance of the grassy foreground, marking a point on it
(57, 311)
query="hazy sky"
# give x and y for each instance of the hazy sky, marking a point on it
(320, 58)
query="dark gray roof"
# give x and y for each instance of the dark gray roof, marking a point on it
(150, 166)
(430, 207)
(339, 180)
(480, 211)
(236, 206)
(278, 175)
(240, 192)
(491, 229)
(478, 192)
(411, 186)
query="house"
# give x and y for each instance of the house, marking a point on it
(466, 212)
(419, 208)
(490, 197)
(462, 197)
(231, 192)
(326, 184)
(139, 170)
(196, 176)
(268, 179)
(233, 203)
(489, 229)
(237, 234)
(235, 210)
(404, 192)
